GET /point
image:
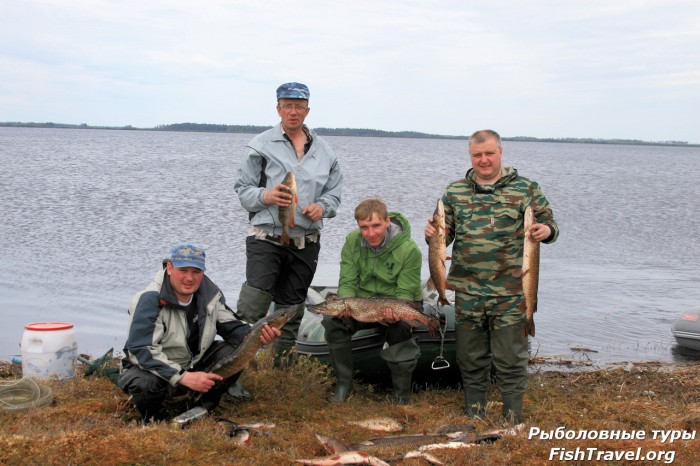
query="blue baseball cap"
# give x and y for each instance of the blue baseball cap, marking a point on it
(293, 91)
(188, 255)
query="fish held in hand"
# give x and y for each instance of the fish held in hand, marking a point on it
(437, 255)
(531, 273)
(246, 351)
(372, 310)
(285, 214)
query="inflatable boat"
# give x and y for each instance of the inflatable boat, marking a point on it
(686, 330)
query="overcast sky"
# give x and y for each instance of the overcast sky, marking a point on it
(562, 68)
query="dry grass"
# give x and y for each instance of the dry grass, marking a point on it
(91, 421)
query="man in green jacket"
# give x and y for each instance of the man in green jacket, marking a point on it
(378, 260)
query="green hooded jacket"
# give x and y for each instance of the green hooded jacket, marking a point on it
(393, 272)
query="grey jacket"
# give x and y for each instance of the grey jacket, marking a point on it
(318, 180)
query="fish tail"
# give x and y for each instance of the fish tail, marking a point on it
(284, 237)
(529, 328)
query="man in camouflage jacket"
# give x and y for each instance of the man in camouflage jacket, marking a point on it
(484, 216)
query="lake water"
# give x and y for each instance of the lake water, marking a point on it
(87, 215)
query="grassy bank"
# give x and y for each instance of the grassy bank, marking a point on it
(91, 421)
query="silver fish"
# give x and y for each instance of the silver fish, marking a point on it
(346, 457)
(381, 424)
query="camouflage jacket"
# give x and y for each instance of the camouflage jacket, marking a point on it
(486, 224)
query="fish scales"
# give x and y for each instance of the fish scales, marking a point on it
(437, 254)
(372, 310)
(285, 214)
(246, 351)
(531, 272)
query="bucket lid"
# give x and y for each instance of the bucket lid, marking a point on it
(48, 326)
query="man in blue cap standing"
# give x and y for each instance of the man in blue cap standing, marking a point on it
(277, 270)
(172, 329)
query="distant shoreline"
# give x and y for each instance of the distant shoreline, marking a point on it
(353, 132)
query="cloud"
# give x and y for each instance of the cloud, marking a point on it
(434, 66)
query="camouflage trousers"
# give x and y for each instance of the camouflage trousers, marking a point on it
(489, 333)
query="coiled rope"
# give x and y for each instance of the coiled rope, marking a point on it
(24, 393)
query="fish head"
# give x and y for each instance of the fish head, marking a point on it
(529, 220)
(280, 317)
(290, 182)
(332, 307)
(439, 210)
(439, 216)
(331, 445)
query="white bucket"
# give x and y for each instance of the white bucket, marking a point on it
(49, 350)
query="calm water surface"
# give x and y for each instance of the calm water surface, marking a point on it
(87, 215)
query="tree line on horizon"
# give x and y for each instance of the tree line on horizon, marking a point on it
(352, 132)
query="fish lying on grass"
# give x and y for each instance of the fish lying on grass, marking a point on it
(246, 351)
(531, 273)
(381, 424)
(372, 310)
(399, 444)
(405, 446)
(285, 214)
(240, 437)
(346, 457)
(331, 445)
(240, 433)
(430, 459)
(437, 255)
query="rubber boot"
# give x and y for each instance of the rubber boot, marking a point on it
(341, 360)
(510, 356)
(252, 304)
(238, 391)
(475, 403)
(284, 345)
(512, 408)
(474, 361)
(402, 359)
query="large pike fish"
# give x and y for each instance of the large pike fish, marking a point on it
(531, 273)
(285, 214)
(372, 310)
(246, 351)
(437, 255)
